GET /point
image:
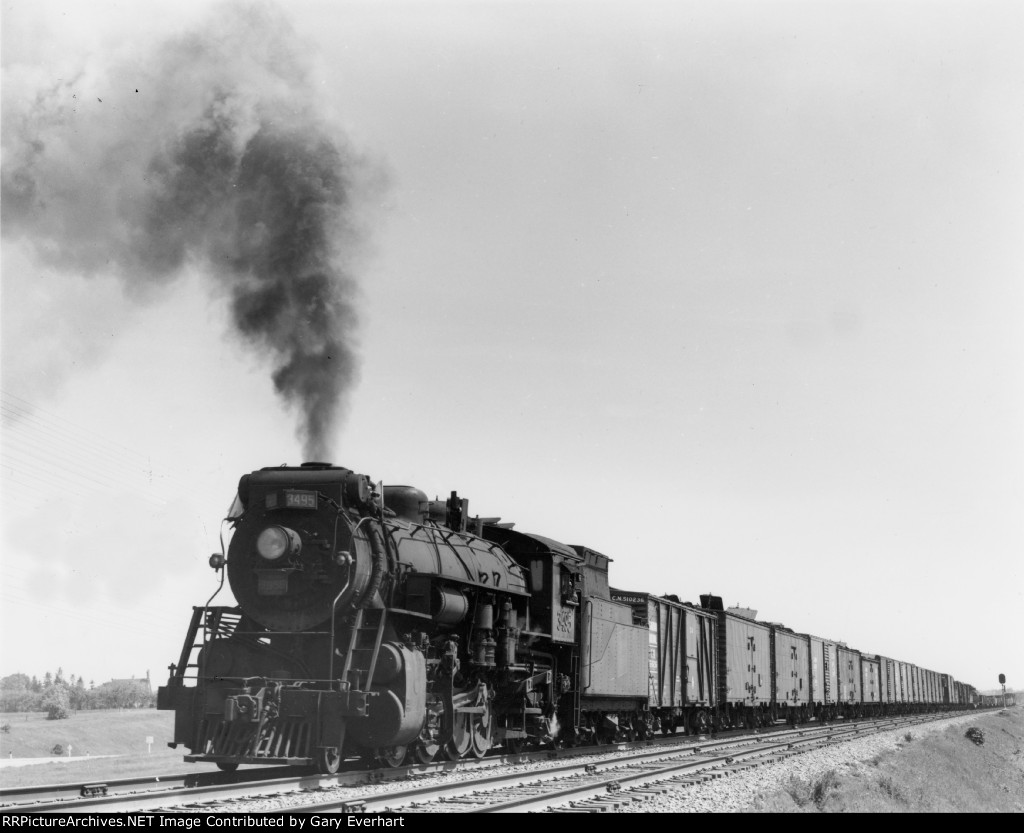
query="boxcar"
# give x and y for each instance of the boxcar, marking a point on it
(906, 696)
(849, 681)
(886, 684)
(916, 688)
(824, 678)
(870, 685)
(744, 669)
(791, 653)
(946, 682)
(682, 661)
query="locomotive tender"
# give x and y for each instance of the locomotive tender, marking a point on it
(373, 622)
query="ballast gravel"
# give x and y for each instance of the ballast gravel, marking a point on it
(739, 791)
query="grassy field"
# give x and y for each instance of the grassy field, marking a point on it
(113, 732)
(940, 772)
(120, 734)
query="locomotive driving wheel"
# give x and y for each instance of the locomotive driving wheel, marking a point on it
(482, 732)
(462, 738)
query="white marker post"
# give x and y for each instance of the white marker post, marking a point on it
(149, 743)
(69, 750)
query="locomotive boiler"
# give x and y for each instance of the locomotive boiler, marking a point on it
(370, 622)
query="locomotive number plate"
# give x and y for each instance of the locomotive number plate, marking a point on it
(300, 500)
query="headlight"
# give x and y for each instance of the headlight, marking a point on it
(275, 541)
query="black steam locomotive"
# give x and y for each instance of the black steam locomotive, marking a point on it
(376, 623)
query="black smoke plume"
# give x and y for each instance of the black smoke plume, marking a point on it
(210, 151)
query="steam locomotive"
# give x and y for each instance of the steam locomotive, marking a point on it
(373, 622)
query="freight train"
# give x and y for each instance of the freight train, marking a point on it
(997, 701)
(374, 623)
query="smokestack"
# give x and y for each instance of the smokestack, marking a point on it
(208, 151)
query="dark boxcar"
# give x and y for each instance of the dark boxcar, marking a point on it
(947, 689)
(849, 681)
(682, 663)
(792, 655)
(824, 677)
(870, 684)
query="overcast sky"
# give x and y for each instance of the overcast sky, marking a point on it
(728, 291)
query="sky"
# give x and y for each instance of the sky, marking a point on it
(728, 291)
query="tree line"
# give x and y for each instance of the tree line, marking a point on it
(58, 695)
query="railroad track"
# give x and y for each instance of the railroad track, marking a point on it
(575, 781)
(138, 792)
(570, 776)
(593, 787)
(49, 797)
